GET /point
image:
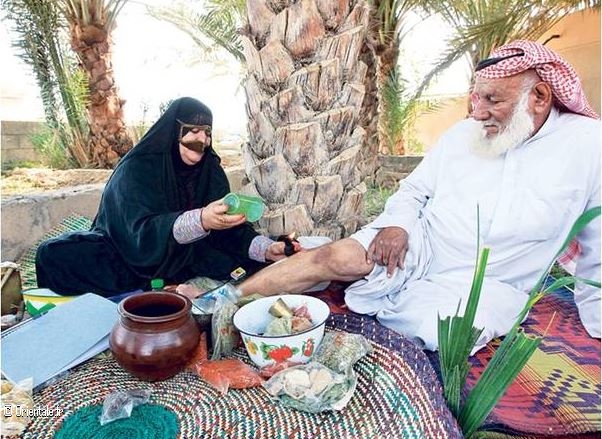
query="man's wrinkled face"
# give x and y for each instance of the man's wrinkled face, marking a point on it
(501, 106)
(194, 140)
(494, 101)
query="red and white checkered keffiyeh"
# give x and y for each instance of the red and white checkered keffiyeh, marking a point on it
(568, 259)
(550, 67)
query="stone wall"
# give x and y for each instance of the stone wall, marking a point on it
(394, 168)
(15, 140)
(26, 218)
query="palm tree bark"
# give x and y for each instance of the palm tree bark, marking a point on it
(109, 139)
(305, 87)
(370, 105)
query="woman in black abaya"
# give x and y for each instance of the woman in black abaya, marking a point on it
(160, 216)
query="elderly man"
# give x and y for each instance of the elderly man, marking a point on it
(529, 158)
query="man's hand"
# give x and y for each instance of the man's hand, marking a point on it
(214, 217)
(389, 248)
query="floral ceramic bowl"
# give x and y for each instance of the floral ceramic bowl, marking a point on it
(252, 319)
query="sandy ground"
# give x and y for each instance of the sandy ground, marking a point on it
(21, 181)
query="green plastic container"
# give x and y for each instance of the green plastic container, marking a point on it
(251, 207)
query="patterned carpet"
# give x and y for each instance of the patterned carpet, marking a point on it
(556, 395)
(398, 396)
(558, 392)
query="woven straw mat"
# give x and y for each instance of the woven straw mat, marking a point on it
(398, 396)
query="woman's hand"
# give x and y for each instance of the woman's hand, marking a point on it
(214, 217)
(275, 251)
(389, 248)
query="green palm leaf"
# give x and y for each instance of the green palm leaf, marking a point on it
(457, 338)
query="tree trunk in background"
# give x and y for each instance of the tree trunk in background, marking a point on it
(369, 114)
(109, 139)
(385, 44)
(305, 87)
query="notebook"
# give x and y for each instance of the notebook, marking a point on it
(64, 337)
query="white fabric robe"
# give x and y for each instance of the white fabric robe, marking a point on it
(528, 199)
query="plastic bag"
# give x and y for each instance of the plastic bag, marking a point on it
(17, 400)
(340, 350)
(208, 303)
(228, 373)
(119, 405)
(197, 286)
(312, 388)
(225, 336)
(200, 354)
(273, 368)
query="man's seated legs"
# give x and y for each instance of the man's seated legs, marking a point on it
(343, 260)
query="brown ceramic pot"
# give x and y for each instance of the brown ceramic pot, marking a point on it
(155, 335)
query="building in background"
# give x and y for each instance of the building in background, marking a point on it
(578, 42)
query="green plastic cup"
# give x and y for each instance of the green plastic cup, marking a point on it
(251, 207)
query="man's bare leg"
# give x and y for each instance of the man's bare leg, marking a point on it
(343, 260)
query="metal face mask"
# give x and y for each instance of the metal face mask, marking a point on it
(194, 145)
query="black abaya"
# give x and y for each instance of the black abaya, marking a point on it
(131, 240)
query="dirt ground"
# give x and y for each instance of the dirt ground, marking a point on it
(22, 181)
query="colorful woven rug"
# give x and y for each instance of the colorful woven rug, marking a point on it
(557, 395)
(558, 392)
(398, 396)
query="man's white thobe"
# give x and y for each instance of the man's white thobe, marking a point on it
(528, 199)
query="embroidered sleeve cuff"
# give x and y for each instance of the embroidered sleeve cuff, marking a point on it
(258, 247)
(188, 227)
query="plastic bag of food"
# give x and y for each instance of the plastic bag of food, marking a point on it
(273, 368)
(17, 400)
(195, 287)
(312, 388)
(225, 336)
(340, 350)
(200, 354)
(230, 373)
(208, 303)
(119, 405)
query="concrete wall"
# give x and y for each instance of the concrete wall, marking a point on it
(15, 140)
(578, 44)
(26, 218)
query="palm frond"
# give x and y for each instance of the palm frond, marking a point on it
(483, 25)
(101, 13)
(513, 353)
(217, 27)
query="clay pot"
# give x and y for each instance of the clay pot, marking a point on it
(155, 335)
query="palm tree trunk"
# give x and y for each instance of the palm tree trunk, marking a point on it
(370, 105)
(305, 87)
(109, 139)
(385, 68)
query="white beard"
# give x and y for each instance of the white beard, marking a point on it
(519, 128)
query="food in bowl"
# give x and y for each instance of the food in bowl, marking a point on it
(252, 319)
